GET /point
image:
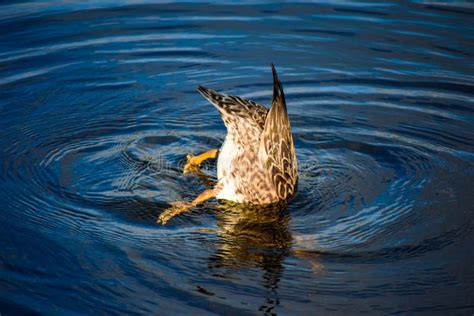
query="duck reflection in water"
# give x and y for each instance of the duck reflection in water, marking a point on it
(256, 237)
(253, 236)
(250, 235)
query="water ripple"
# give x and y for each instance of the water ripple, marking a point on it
(100, 109)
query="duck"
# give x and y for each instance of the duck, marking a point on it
(256, 164)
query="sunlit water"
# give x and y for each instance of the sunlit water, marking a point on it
(99, 108)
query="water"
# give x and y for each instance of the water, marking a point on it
(99, 108)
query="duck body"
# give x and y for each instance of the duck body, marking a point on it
(257, 162)
(241, 176)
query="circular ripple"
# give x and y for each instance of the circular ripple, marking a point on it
(99, 110)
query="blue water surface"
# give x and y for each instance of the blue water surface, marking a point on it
(99, 108)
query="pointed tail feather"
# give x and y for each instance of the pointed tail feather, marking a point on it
(216, 98)
(232, 106)
(278, 94)
(276, 149)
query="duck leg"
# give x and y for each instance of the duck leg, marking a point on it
(180, 207)
(193, 162)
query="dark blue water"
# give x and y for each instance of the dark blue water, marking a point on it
(99, 108)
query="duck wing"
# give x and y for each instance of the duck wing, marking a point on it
(276, 149)
(233, 106)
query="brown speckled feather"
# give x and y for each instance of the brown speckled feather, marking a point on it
(257, 162)
(229, 105)
(276, 150)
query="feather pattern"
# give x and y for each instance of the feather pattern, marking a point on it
(229, 105)
(276, 150)
(257, 162)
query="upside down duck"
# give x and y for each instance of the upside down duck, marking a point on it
(257, 163)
